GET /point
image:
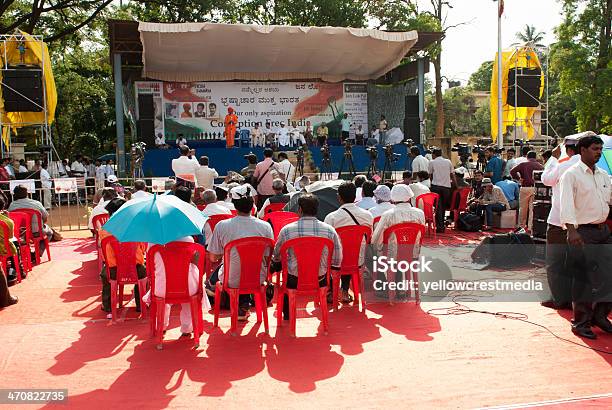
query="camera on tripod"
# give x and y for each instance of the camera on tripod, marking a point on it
(325, 152)
(300, 153)
(373, 152)
(391, 156)
(408, 142)
(462, 149)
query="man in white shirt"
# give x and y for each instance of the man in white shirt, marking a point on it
(559, 277)
(296, 137)
(100, 175)
(347, 215)
(441, 171)
(205, 176)
(46, 183)
(283, 135)
(286, 168)
(258, 137)
(180, 141)
(78, 167)
(184, 168)
(523, 158)
(367, 200)
(140, 190)
(160, 141)
(586, 196)
(222, 193)
(419, 162)
(345, 125)
(269, 134)
(109, 168)
(423, 178)
(510, 161)
(402, 213)
(382, 193)
(212, 208)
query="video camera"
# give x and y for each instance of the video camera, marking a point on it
(463, 150)
(373, 152)
(392, 156)
(408, 142)
(325, 151)
(300, 153)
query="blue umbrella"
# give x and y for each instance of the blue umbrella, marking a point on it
(156, 219)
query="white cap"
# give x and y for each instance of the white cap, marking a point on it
(112, 178)
(242, 191)
(401, 193)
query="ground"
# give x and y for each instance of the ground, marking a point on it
(57, 337)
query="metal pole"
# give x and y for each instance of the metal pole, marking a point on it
(119, 115)
(421, 85)
(500, 134)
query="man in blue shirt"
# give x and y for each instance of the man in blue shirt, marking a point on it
(495, 165)
(511, 191)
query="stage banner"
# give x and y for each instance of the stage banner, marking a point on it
(28, 183)
(197, 110)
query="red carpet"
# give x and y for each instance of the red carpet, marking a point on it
(57, 337)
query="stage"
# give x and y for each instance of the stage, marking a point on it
(390, 355)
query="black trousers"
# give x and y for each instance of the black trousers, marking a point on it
(5, 295)
(591, 267)
(443, 204)
(559, 277)
(292, 282)
(106, 287)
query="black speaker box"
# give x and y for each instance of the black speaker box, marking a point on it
(22, 89)
(146, 110)
(539, 228)
(527, 90)
(145, 130)
(412, 106)
(412, 130)
(541, 209)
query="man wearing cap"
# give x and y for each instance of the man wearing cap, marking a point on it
(222, 192)
(491, 200)
(248, 171)
(231, 122)
(264, 175)
(586, 196)
(559, 277)
(347, 215)
(524, 172)
(382, 193)
(403, 212)
(184, 168)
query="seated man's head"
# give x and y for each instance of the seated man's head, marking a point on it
(108, 194)
(478, 175)
(422, 176)
(407, 176)
(487, 184)
(204, 160)
(140, 185)
(20, 192)
(282, 156)
(242, 198)
(278, 185)
(347, 192)
(209, 197)
(367, 189)
(308, 205)
(183, 193)
(359, 180)
(114, 205)
(382, 193)
(221, 193)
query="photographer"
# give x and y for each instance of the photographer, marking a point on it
(442, 172)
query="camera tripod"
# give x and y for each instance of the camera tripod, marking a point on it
(372, 167)
(326, 168)
(348, 157)
(388, 167)
(300, 166)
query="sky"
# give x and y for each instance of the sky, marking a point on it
(469, 45)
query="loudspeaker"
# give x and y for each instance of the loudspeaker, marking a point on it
(527, 88)
(412, 129)
(146, 110)
(145, 130)
(22, 89)
(412, 106)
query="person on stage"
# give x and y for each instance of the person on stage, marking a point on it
(231, 121)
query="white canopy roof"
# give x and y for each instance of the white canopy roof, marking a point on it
(186, 52)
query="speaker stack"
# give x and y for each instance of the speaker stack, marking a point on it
(412, 125)
(541, 208)
(145, 126)
(22, 89)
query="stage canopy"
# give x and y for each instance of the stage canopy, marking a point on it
(187, 52)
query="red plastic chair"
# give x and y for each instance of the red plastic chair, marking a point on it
(201, 207)
(279, 206)
(21, 222)
(177, 257)
(279, 220)
(407, 236)
(251, 251)
(125, 255)
(429, 204)
(98, 221)
(6, 235)
(376, 220)
(308, 251)
(351, 238)
(213, 220)
(41, 235)
(459, 202)
(234, 212)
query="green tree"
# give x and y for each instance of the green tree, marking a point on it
(581, 59)
(463, 116)
(531, 36)
(480, 80)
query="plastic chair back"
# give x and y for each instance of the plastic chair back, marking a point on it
(428, 202)
(125, 254)
(460, 199)
(32, 213)
(99, 220)
(251, 252)
(275, 207)
(407, 235)
(22, 222)
(308, 251)
(352, 238)
(376, 220)
(279, 220)
(201, 207)
(177, 257)
(213, 220)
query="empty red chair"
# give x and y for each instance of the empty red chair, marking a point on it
(407, 236)
(308, 251)
(279, 206)
(41, 235)
(459, 202)
(98, 221)
(429, 204)
(22, 234)
(251, 251)
(279, 220)
(125, 255)
(6, 235)
(351, 238)
(177, 257)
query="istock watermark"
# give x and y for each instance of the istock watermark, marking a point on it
(384, 264)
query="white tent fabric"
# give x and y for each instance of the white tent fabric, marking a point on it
(187, 52)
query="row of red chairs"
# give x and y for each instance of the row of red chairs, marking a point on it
(22, 225)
